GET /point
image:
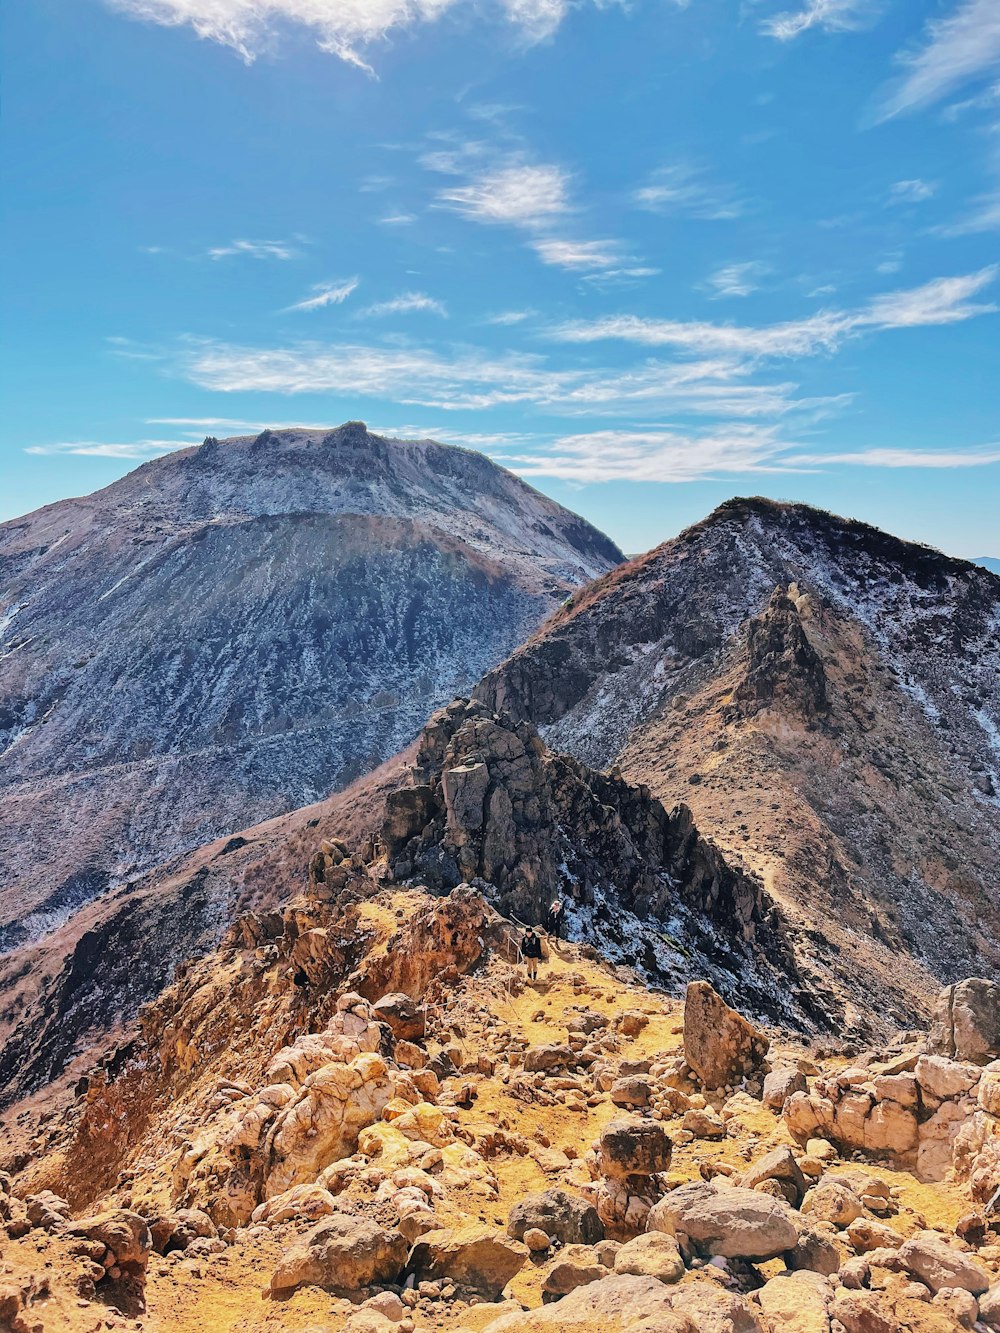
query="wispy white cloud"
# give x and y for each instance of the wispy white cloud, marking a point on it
(984, 216)
(912, 192)
(345, 28)
(942, 301)
(536, 19)
(205, 423)
(831, 15)
(896, 458)
(253, 250)
(96, 449)
(397, 219)
(471, 378)
(325, 294)
(736, 279)
(662, 455)
(686, 191)
(407, 303)
(587, 255)
(518, 194)
(654, 455)
(509, 317)
(957, 49)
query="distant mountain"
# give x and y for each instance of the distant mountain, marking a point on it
(840, 738)
(989, 562)
(235, 630)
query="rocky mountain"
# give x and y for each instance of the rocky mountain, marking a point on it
(234, 630)
(826, 699)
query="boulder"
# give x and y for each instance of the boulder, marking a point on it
(935, 1263)
(731, 1222)
(830, 1201)
(779, 1085)
(342, 1252)
(653, 1254)
(614, 1304)
(574, 1266)
(405, 1017)
(123, 1233)
(780, 1165)
(989, 1308)
(940, 1078)
(46, 1210)
(564, 1217)
(966, 1022)
(474, 1257)
(720, 1045)
(633, 1147)
(796, 1302)
(709, 1310)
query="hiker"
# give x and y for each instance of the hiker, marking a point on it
(531, 952)
(555, 917)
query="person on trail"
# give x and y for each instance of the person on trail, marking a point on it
(531, 951)
(555, 917)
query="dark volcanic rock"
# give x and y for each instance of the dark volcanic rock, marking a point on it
(490, 803)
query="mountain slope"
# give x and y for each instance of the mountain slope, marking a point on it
(840, 739)
(234, 630)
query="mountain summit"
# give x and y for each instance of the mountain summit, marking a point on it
(825, 698)
(236, 629)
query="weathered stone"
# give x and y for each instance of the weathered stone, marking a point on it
(628, 1304)
(653, 1254)
(633, 1147)
(937, 1264)
(474, 1257)
(966, 1022)
(732, 1222)
(405, 1018)
(564, 1217)
(796, 1302)
(343, 1253)
(573, 1266)
(940, 1077)
(122, 1232)
(720, 1045)
(779, 1085)
(779, 1164)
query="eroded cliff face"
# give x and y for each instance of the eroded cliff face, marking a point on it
(233, 631)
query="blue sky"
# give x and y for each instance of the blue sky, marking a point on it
(649, 255)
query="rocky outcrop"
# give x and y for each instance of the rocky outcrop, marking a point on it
(626, 1165)
(720, 1045)
(488, 802)
(966, 1022)
(783, 669)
